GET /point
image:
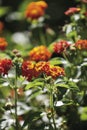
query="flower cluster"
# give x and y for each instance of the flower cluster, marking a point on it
(36, 9)
(30, 70)
(5, 66)
(3, 44)
(72, 10)
(81, 44)
(49, 70)
(61, 46)
(40, 53)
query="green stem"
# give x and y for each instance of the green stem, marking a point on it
(52, 108)
(42, 37)
(16, 98)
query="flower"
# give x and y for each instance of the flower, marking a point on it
(3, 43)
(56, 71)
(72, 10)
(28, 70)
(31, 70)
(35, 9)
(61, 46)
(84, 1)
(42, 67)
(5, 66)
(81, 44)
(42, 4)
(40, 53)
(49, 70)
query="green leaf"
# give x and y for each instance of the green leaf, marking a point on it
(34, 84)
(84, 117)
(56, 61)
(3, 10)
(62, 85)
(73, 86)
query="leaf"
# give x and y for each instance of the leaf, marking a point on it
(56, 61)
(34, 84)
(3, 10)
(62, 85)
(31, 117)
(73, 86)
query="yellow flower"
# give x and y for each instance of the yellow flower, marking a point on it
(40, 53)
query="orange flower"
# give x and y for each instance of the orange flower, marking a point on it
(42, 67)
(3, 44)
(72, 10)
(61, 46)
(42, 4)
(81, 44)
(5, 66)
(34, 11)
(40, 53)
(31, 70)
(49, 70)
(56, 71)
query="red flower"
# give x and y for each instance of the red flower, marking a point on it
(61, 46)
(3, 44)
(5, 66)
(84, 1)
(28, 70)
(81, 44)
(39, 53)
(31, 70)
(72, 10)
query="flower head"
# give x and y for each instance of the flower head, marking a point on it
(61, 46)
(35, 9)
(72, 10)
(42, 4)
(28, 69)
(56, 71)
(49, 70)
(81, 44)
(3, 44)
(31, 70)
(42, 67)
(5, 66)
(40, 53)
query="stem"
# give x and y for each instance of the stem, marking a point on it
(42, 37)
(16, 119)
(52, 108)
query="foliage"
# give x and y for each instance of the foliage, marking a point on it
(43, 79)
